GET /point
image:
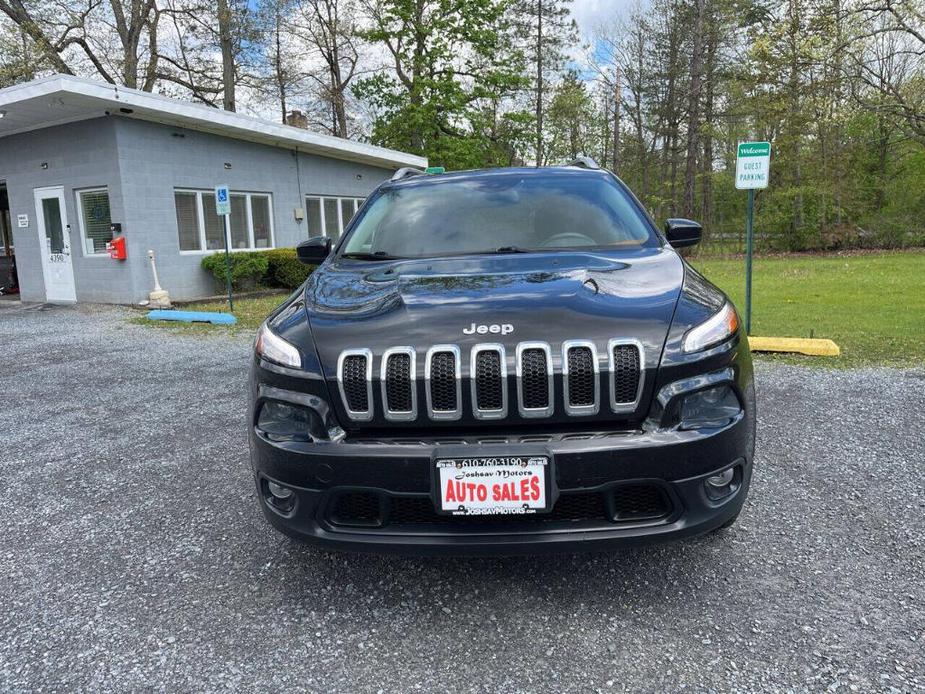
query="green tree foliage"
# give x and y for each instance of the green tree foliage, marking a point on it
(835, 85)
(545, 31)
(665, 95)
(452, 64)
(572, 120)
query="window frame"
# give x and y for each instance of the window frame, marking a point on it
(200, 193)
(340, 199)
(80, 219)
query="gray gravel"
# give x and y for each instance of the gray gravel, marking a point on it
(133, 555)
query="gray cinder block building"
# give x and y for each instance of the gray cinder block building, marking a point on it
(78, 158)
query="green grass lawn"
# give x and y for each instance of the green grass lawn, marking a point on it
(872, 305)
(250, 313)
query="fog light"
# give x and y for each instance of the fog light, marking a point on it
(723, 485)
(282, 493)
(278, 497)
(722, 479)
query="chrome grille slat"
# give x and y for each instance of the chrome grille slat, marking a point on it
(488, 380)
(351, 364)
(627, 371)
(443, 382)
(534, 380)
(580, 377)
(398, 380)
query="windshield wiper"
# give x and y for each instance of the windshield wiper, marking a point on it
(375, 255)
(510, 249)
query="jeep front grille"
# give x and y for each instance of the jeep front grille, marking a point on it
(534, 368)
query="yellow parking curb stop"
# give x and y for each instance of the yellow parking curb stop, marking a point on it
(814, 347)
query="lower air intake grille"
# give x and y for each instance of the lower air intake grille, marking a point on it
(356, 508)
(355, 384)
(631, 503)
(534, 378)
(398, 383)
(636, 502)
(581, 376)
(488, 386)
(443, 382)
(414, 510)
(625, 374)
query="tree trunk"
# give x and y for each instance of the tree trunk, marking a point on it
(605, 133)
(693, 111)
(638, 119)
(338, 97)
(153, 50)
(616, 120)
(28, 64)
(706, 184)
(539, 83)
(883, 143)
(17, 11)
(278, 65)
(417, 74)
(226, 42)
(793, 88)
(669, 165)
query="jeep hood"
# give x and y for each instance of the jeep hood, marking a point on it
(550, 297)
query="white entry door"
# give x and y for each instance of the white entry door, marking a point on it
(55, 244)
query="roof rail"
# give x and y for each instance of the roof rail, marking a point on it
(405, 172)
(584, 162)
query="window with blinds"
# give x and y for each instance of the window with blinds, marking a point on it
(200, 228)
(329, 215)
(260, 218)
(95, 218)
(188, 220)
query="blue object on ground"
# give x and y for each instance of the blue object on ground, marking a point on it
(194, 317)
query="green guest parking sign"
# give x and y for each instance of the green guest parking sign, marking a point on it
(753, 166)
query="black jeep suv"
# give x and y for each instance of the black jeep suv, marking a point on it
(503, 361)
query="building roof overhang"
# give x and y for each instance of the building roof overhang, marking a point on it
(61, 99)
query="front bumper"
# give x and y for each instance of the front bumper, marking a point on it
(614, 489)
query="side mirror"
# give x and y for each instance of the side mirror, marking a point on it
(682, 233)
(314, 251)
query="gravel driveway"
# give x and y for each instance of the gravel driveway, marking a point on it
(133, 555)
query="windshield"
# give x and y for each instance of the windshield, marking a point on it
(498, 213)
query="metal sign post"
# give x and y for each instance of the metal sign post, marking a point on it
(753, 165)
(223, 209)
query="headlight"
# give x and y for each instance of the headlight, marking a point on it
(720, 326)
(271, 346)
(711, 407)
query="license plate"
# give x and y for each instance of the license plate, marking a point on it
(504, 485)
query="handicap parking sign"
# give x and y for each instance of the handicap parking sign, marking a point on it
(222, 202)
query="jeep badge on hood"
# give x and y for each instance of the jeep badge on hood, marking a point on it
(494, 329)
